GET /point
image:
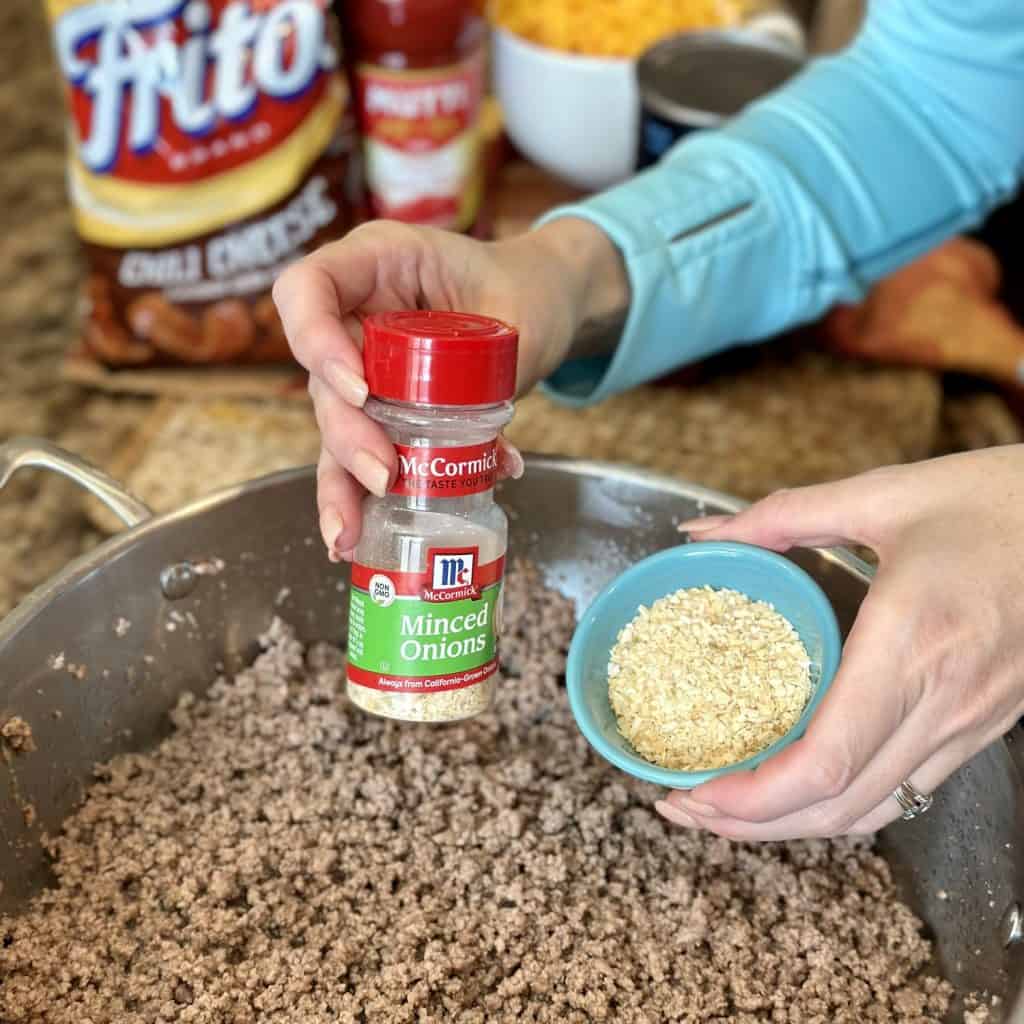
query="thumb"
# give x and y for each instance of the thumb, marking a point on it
(825, 515)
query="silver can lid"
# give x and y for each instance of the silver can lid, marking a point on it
(699, 79)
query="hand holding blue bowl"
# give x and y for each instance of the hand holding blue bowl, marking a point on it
(931, 669)
(761, 575)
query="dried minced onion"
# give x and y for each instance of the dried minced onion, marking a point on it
(705, 678)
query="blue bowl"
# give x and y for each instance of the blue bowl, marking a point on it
(761, 575)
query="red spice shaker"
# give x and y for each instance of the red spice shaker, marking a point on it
(425, 608)
(419, 79)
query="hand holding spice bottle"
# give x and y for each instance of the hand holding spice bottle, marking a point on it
(560, 286)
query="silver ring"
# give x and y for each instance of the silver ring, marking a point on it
(911, 800)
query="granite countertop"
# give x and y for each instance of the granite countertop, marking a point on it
(42, 519)
(41, 525)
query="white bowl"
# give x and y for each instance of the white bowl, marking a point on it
(575, 116)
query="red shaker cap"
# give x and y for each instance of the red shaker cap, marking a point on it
(433, 357)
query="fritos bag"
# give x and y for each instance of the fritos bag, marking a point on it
(211, 143)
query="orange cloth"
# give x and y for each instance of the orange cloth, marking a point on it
(941, 312)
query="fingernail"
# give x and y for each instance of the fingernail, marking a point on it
(346, 382)
(331, 527)
(512, 462)
(703, 524)
(673, 814)
(371, 472)
(346, 556)
(695, 807)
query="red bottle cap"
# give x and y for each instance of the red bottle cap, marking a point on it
(432, 357)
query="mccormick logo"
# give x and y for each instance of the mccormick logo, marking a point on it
(149, 78)
(452, 576)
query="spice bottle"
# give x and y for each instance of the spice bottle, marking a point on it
(419, 81)
(425, 609)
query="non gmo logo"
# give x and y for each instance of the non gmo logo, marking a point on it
(382, 590)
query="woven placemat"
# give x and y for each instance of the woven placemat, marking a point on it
(185, 450)
(978, 420)
(777, 423)
(770, 426)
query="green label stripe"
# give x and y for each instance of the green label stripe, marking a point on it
(411, 638)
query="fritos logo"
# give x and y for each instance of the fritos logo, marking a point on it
(170, 90)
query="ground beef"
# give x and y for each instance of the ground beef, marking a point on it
(16, 733)
(282, 857)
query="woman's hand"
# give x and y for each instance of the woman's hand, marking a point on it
(933, 670)
(556, 285)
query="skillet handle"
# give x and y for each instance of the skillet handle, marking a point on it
(21, 452)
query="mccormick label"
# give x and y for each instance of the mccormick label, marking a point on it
(446, 472)
(425, 632)
(421, 132)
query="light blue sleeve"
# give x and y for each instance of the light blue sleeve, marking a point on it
(860, 164)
